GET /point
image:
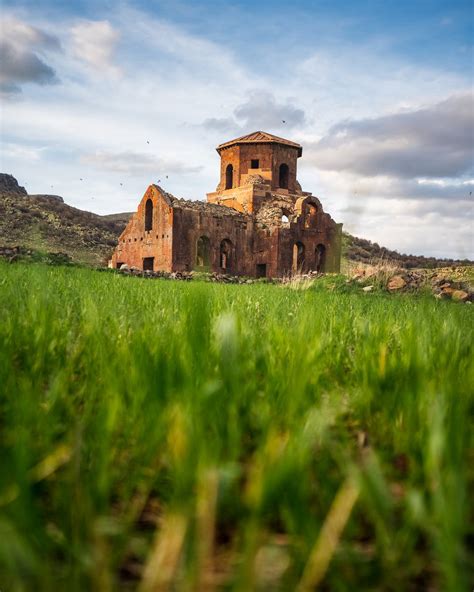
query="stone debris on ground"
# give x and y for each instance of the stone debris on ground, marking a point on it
(396, 283)
(445, 284)
(449, 284)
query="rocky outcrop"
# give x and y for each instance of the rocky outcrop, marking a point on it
(9, 185)
(47, 196)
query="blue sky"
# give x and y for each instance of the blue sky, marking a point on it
(120, 94)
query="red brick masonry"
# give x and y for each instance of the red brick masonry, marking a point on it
(258, 222)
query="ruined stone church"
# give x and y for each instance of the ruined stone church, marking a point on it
(257, 223)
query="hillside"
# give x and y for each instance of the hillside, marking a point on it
(46, 223)
(364, 251)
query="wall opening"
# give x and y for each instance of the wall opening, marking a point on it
(320, 258)
(225, 257)
(261, 270)
(298, 257)
(254, 163)
(119, 264)
(148, 215)
(286, 216)
(148, 263)
(311, 215)
(203, 251)
(229, 176)
(283, 177)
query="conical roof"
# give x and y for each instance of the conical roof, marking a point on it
(261, 138)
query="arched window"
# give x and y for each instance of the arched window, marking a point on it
(148, 214)
(320, 258)
(203, 250)
(284, 219)
(229, 176)
(225, 258)
(310, 216)
(298, 257)
(283, 179)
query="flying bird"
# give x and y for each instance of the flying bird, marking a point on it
(166, 176)
(283, 121)
(148, 141)
(81, 179)
(121, 184)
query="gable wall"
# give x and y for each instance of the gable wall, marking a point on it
(135, 243)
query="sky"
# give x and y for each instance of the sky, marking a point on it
(101, 98)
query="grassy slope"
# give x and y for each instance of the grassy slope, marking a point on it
(361, 250)
(129, 406)
(46, 224)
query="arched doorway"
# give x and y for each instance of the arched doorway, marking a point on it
(225, 255)
(229, 176)
(148, 215)
(298, 257)
(203, 251)
(320, 258)
(283, 176)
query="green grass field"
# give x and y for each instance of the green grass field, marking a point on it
(160, 435)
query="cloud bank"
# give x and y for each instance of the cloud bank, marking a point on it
(436, 141)
(21, 56)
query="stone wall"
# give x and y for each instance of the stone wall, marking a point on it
(135, 243)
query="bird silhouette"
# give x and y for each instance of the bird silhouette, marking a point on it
(121, 184)
(159, 181)
(166, 176)
(80, 179)
(283, 121)
(148, 141)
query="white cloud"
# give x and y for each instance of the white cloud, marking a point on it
(139, 163)
(260, 111)
(94, 42)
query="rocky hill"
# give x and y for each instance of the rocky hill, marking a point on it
(364, 251)
(45, 223)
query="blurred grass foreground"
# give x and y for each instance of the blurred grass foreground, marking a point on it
(160, 435)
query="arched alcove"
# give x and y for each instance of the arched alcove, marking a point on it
(311, 216)
(225, 255)
(203, 252)
(229, 176)
(148, 214)
(283, 176)
(320, 258)
(298, 257)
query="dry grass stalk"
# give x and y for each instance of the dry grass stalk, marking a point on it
(329, 537)
(206, 519)
(164, 556)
